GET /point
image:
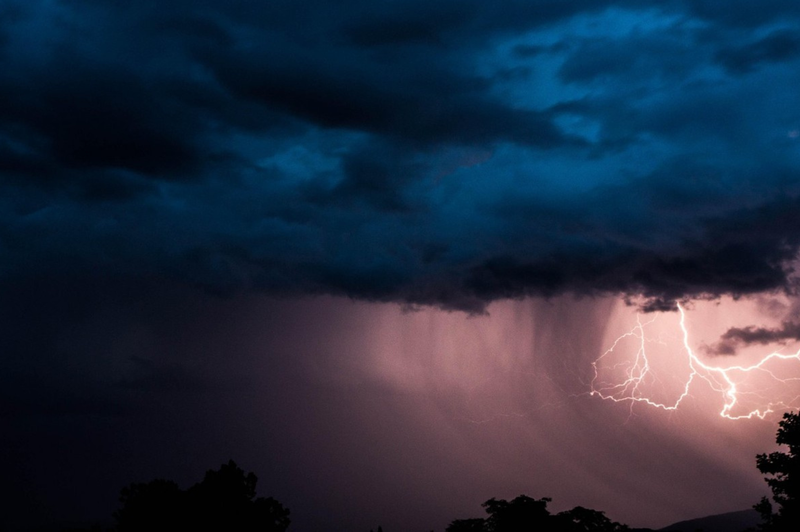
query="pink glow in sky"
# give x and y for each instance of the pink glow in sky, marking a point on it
(340, 406)
(506, 398)
(665, 360)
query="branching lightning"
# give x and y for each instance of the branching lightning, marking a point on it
(746, 391)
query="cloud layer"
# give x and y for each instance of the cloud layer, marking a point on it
(448, 154)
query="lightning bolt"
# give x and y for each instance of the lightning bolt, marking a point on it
(637, 375)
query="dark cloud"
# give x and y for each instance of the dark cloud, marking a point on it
(737, 337)
(73, 117)
(446, 154)
(722, 261)
(775, 47)
(665, 56)
(743, 14)
(425, 25)
(415, 99)
(377, 176)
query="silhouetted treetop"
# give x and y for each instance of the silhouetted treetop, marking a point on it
(224, 500)
(783, 470)
(467, 525)
(521, 514)
(158, 505)
(581, 519)
(524, 514)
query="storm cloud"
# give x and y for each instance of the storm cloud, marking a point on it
(445, 154)
(737, 337)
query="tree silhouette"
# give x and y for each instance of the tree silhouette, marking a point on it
(783, 470)
(156, 505)
(581, 519)
(467, 525)
(520, 515)
(224, 500)
(525, 514)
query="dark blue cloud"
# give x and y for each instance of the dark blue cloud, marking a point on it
(447, 154)
(778, 46)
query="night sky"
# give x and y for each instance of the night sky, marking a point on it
(370, 251)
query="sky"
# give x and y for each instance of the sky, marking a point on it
(373, 251)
